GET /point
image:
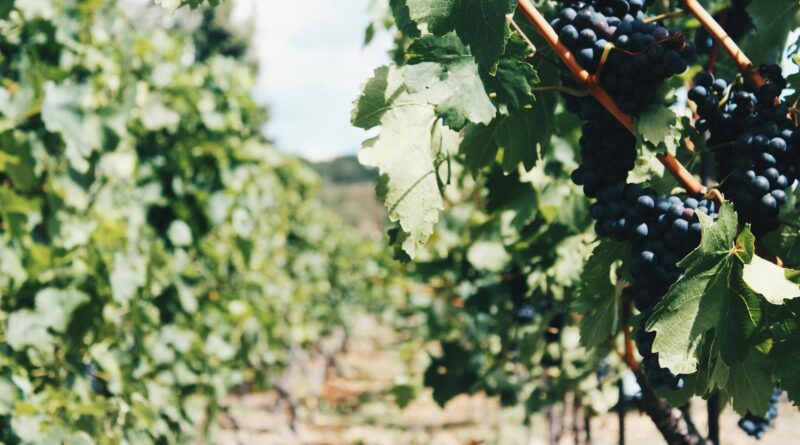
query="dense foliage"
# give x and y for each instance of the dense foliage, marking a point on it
(476, 152)
(156, 251)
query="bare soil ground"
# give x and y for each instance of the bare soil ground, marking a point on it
(354, 406)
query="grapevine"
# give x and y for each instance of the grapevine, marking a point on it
(672, 268)
(664, 230)
(754, 144)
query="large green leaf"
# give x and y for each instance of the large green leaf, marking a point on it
(750, 385)
(436, 14)
(403, 154)
(711, 295)
(455, 89)
(597, 300)
(774, 19)
(481, 24)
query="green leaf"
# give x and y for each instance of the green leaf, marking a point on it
(786, 357)
(444, 49)
(378, 96)
(402, 18)
(750, 385)
(522, 136)
(741, 316)
(479, 146)
(774, 19)
(403, 154)
(770, 280)
(658, 126)
(597, 295)
(708, 296)
(436, 14)
(481, 24)
(514, 79)
(455, 88)
(403, 391)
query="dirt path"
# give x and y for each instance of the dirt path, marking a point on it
(354, 405)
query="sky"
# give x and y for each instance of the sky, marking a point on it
(313, 64)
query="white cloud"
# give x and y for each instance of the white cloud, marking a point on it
(312, 66)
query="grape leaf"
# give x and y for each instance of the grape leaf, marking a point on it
(436, 14)
(786, 355)
(773, 19)
(770, 281)
(479, 146)
(403, 393)
(712, 294)
(511, 84)
(402, 152)
(402, 18)
(750, 385)
(519, 135)
(597, 296)
(481, 24)
(658, 126)
(454, 88)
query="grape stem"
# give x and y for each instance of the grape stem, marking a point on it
(584, 77)
(746, 67)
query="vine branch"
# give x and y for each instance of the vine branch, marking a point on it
(676, 427)
(746, 67)
(590, 82)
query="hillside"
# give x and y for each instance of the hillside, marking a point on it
(350, 192)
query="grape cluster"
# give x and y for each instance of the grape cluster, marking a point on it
(736, 21)
(671, 230)
(756, 426)
(642, 55)
(615, 8)
(661, 231)
(755, 145)
(608, 150)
